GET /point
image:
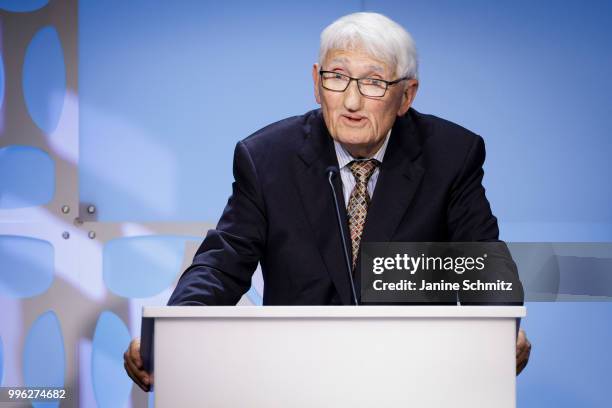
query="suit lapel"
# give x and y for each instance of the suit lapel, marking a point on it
(315, 156)
(399, 178)
(397, 183)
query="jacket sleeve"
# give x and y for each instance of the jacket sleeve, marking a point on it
(471, 220)
(225, 261)
(469, 213)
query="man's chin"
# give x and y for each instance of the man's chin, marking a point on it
(354, 137)
(355, 141)
(356, 147)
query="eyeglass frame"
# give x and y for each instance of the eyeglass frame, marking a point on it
(387, 83)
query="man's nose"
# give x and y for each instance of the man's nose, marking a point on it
(352, 97)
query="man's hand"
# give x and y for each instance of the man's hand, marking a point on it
(523, 349)
(133, 366)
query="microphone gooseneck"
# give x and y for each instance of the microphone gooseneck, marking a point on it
(332, 171)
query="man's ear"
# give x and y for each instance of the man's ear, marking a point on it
(315, 79)
(408, 95)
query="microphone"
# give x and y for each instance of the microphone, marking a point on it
(331, 172)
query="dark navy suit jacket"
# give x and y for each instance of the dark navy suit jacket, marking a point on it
(281, 212)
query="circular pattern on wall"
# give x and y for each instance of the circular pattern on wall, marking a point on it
(32, 177)
(111, 384)
(27, 265)
(44, 79)
(44, 359)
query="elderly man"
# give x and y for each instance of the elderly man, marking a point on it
(403, 176)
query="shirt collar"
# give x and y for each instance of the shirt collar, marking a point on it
(344, 157)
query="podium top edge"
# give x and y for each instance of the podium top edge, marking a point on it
(333, 311)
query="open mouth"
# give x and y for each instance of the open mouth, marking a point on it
(354, 120)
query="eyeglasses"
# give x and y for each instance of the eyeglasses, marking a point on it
(372, 87)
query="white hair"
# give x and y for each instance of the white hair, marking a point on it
(375, 34)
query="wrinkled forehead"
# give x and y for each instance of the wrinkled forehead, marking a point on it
(356, 60)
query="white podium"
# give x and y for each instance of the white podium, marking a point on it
(332, 356)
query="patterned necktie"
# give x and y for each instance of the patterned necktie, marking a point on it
(359, 201)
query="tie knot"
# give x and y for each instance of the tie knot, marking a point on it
(362, 169)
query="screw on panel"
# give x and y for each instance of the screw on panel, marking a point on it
(92, 234)
(65, 235)
(91, 209)
(65, 209)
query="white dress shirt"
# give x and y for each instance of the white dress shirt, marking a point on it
(348, 180)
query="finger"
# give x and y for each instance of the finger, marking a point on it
(142, 375)
(142, 386)
(521, 339)
(522, 358)
(528, 352)
(520, 367)
(522, 348)
(127, 370)
(135, 352)
(132, 371)
(524, 351)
